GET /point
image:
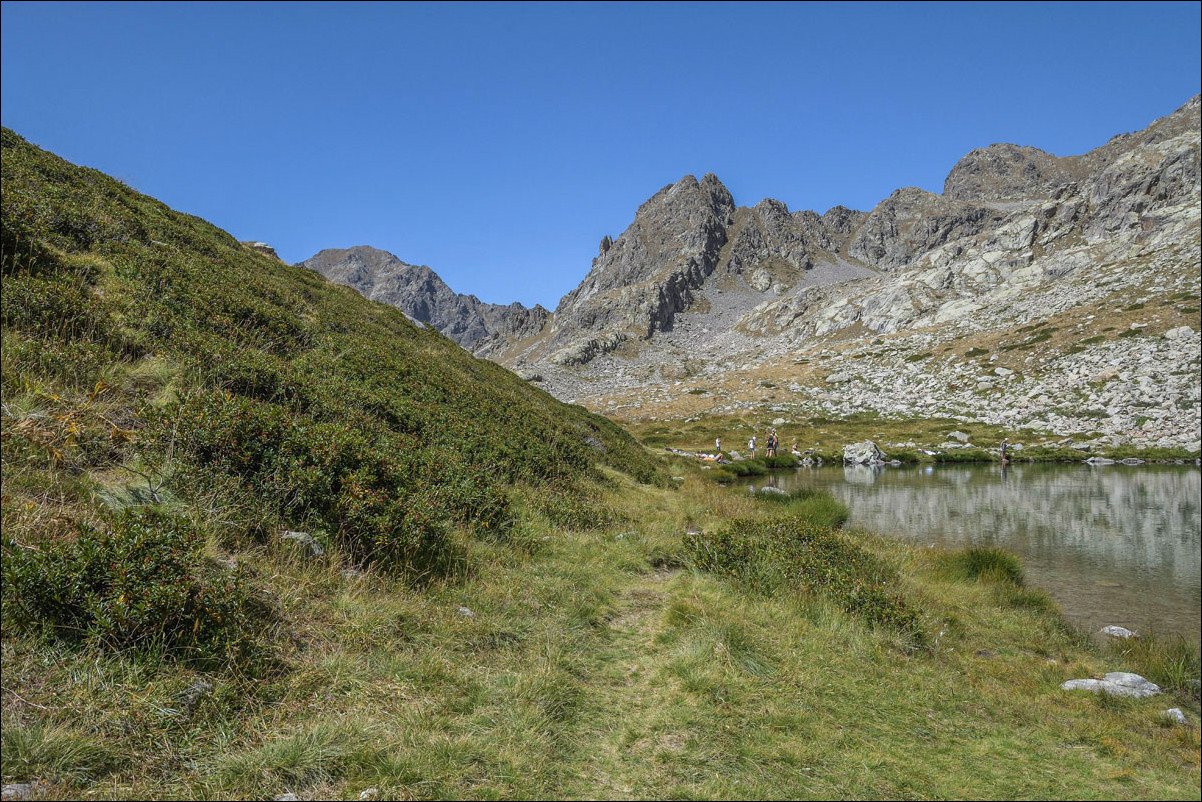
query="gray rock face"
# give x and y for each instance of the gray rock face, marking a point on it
(638, 284)
(912, 222)
(772, 248)
(866, 453)
(1007, 172)
(699, 287)
(423, 296)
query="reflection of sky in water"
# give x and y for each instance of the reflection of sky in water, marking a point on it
(1114, 544)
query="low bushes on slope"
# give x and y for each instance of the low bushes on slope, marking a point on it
(139, 582)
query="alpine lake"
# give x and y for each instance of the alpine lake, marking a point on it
(1113, 544)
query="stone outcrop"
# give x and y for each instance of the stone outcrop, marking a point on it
(1004, 172)
(424, 297)
(263, 248)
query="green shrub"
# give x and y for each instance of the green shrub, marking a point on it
(747, 467)
(778, 463)
(139, 583)
(337, 413)
(985, 564)
(724, 476)
(963, 455)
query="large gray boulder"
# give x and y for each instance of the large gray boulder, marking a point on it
(866, 453)
(1116, 683)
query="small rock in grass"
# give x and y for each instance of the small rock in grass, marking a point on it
(1118, 632)
(1174, 714)
(19, 790)
(195, 692)
(304, 539)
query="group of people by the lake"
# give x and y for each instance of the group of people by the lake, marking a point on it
(772, 450)
(774, 447)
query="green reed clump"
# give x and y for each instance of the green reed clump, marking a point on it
(1174, 662)
(814, 506)
(748, 467)
(776, 554)
(985, 564)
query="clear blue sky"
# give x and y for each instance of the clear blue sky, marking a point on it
(497, 143)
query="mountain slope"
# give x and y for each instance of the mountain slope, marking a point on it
(145, 341)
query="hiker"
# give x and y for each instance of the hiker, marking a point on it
(1005, 449)
(751, 446)
(718, 444)
(772, 444)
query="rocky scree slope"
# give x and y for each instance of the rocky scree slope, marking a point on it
(425, 298)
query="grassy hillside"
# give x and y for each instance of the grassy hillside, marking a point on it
(511, 599)
(138, 336)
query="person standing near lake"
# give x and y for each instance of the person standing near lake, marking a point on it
(751, 446)
(718, 444)
(1005, 450)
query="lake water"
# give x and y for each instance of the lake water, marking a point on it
(1113, 544)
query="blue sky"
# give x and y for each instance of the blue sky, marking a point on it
(498, 143)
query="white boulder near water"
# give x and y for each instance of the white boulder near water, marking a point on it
(1116, 683)
(1118, 632)
(866, 453)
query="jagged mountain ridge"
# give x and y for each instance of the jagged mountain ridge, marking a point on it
(698, 286)
(637, 286)
(425, 298)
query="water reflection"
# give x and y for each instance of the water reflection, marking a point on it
(1114, 544)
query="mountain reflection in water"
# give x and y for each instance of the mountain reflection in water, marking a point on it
(1113, 544)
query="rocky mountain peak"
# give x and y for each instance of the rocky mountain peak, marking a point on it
(689, 199)
(1008, 172)
(644, 277)
(424, 297)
